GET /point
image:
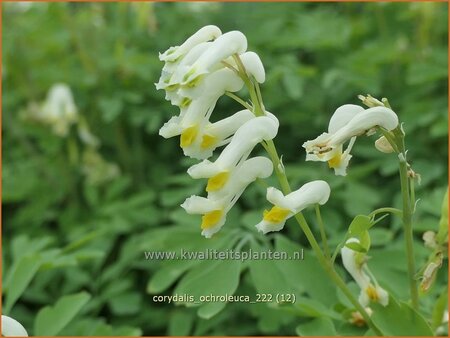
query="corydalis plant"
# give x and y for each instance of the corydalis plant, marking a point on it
(209, 65)
(60, 113)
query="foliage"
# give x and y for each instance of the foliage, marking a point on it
(71, 240)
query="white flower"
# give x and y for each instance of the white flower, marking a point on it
(242, 143)
(253, 66)
(197, 104)
(224, 46)
(315, 192)
(165, 81)
(12, 328)
(219, 202)
(347, 122)
(216, 134)
(195, 113)
(204, 34)
(355, 264)
(59, 110)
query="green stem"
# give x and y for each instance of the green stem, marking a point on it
(239, 100)
(285, 187)
(394, 211)
(326, 265)
(390, 139)
(72, 151)
(407, 228)
(323, 234)
(397, 140)
(329, 269)
(338, 249)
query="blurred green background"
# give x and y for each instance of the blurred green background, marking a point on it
(74, 235)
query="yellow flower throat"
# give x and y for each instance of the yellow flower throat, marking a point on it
(276, 214)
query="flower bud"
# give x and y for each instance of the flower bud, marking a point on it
(383, 145)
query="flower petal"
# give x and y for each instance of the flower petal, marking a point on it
(315, 192)
(342, 116)
(200, 205)
(370, 118)
(244, 140)
(12, 328)
(254, 66)
(204, 34)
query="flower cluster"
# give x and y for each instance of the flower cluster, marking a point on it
(210, 64)
(355, 263)
(195, 75)
(348, 122)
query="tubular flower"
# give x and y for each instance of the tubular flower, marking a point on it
(315, 192)
(197, 111)
(242, 143)
(207, 33)
(188, 52)
(355, 264)
(164, 82)
(224, 46)
(215, 207)
(347, 122)
(12, 328)
(217, 134)
(59, 110)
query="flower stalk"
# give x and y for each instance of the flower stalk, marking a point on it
(286, 189)
(407, 218)
(323, 234)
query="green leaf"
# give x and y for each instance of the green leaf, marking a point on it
(439, 310)
(321, 326)
(380, 236)
(308, 307)
(365, 240)
(97, 327)
(21, 276)
(171, 270)
(126, 303)
(210, 278)
(52, 319)
(168, 274)
(211, 309)
(359, 224)
(111, 108)
(261, 269)
(443, 222)
(356, 247)
(399, 319)
(181, 322)
(317, 285)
